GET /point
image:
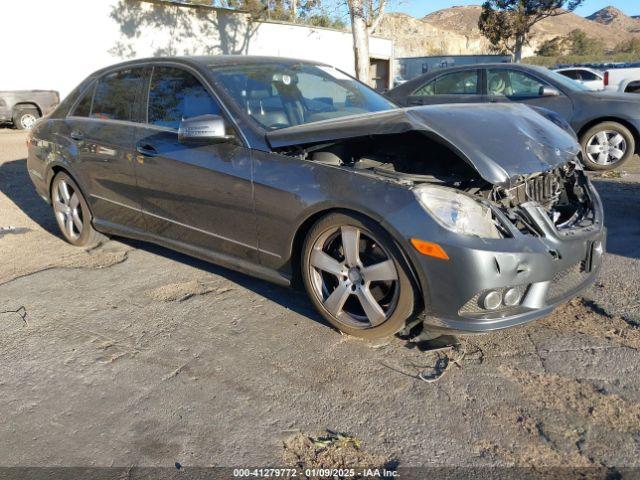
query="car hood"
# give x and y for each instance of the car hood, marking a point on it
(502, 142)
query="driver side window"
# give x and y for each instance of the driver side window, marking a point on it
(512, 83)
(175, 95)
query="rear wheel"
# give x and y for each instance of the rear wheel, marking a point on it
(356, 277)
(25, 118)
(607, 145)
(72, 212)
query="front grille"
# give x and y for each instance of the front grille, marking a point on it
(565, 281)
(543, 189)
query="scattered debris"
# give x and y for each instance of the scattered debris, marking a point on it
(21, 312)
(179, 292)
(443, 360)
(443, 364)
(613, 174)
(332, 451)
(13, 230)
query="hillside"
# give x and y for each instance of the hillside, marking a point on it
(616, 18)
(454, 31)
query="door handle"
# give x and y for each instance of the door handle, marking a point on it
(76, 135)
(146, 149)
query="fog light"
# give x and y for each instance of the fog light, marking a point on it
(512, 297)
(492, 300)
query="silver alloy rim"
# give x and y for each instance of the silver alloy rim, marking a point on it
(354, 277)
(66, 205)
(606, 147)
(28, 121)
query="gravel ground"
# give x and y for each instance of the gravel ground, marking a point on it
(129, 354)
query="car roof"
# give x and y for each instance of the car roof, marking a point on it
(205, 61)
(566, 69)
(475, 66)
(411, 84)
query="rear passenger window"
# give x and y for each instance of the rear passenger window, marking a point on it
(83, 108)
(572, 74)
(116, 94)
(174, 95)
(456, 83)
(588, 76)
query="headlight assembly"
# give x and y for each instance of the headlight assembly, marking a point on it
(457, 212)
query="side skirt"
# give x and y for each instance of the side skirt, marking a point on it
(220, 259)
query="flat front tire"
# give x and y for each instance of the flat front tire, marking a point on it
(606, 146)
(72, 212)
(356, 277)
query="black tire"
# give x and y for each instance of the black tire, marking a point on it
(24, 117)
(86, 236)
(589, 136)
(633, 88)
(396, 298)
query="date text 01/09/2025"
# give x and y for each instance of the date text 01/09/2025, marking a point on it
(315, 472)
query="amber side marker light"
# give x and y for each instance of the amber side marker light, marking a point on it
(429, 248)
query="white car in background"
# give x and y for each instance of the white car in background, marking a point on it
(622, 80)
(592, 79)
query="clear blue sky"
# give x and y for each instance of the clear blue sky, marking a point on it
(419, 8)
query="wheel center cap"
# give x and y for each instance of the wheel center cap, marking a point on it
(354, 275)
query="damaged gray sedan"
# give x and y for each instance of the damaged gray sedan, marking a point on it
(465, 218)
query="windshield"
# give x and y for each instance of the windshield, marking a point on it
(282, 95)
(565, 81)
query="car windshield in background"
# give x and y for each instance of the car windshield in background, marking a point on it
(565, 81)
(279, 96)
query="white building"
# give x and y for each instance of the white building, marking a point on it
(68, 39)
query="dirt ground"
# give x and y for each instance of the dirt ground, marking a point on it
(129, 354)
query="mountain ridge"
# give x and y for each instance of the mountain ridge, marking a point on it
(454, 30)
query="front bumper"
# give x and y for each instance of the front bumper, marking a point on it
(546, 270)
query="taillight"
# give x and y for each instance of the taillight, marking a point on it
(606, 78)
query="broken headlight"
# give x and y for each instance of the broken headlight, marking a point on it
(457, 212)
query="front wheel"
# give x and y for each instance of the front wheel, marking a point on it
(356, 277)
(72, 212)
(606, 146)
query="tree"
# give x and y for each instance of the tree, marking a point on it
(554, 47)
(577, 42)
(631, 47)
(507, 23)
(365, 16)
(582, 44)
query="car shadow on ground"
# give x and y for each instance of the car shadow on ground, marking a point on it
(16, 185)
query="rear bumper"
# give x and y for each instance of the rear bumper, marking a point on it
(5, 114)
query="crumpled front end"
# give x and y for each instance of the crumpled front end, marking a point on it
(552, 247)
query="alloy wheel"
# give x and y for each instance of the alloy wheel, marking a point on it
(354, 276)
(606, 147)
(68, 210)
(27, 121)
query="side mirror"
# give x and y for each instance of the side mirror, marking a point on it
(203, 129)
(547, 91)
